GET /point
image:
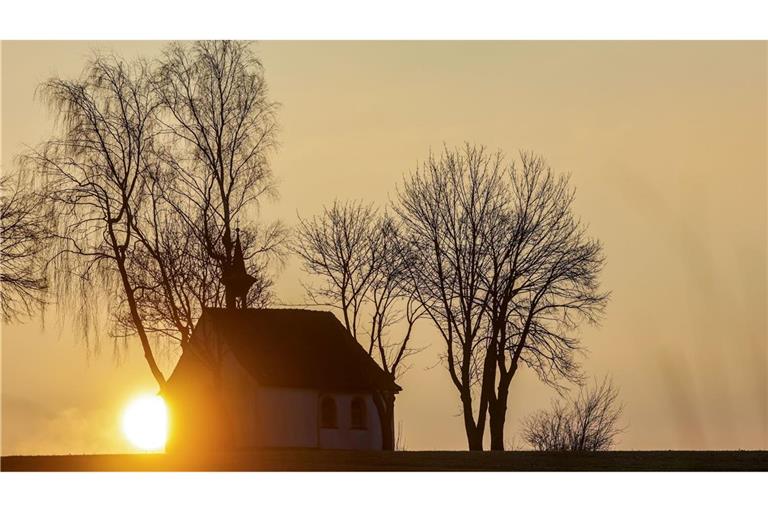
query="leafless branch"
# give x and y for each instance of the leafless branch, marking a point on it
(25, 233)
(587, 422)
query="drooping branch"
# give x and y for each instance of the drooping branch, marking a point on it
(95, 173)
(25, 232)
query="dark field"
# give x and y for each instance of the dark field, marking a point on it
(322, 460)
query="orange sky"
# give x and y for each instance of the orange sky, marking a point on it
(667, 146)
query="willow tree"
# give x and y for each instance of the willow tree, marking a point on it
(146, 219)
(96, 172)
(25, 233)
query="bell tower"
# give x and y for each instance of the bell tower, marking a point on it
(236, 279)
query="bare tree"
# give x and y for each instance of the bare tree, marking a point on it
(543, 283)
(25, 232)
(96, 176)
(449, 209)
(177, 277)
(391, 298)
(342, 247)
(146, 217)
(173, 277)
(216, 129)
(219, 127)
(588, 422)
(362, 266)
(505, 272)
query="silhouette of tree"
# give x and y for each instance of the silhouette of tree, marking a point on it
(178, 278)
(449, 209)
(342, 247)
(542, 282)
(25, 230)
(504, 271)
(216, 128)
(356, 252)
(219, 128)
(391, 299)
(96, 177)
(144, 216)
(588, 422)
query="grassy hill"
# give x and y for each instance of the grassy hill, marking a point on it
(333, 460)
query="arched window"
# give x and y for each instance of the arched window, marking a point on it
(328, 413)
(357, 414)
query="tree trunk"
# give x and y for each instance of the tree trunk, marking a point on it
(497, 409)
(474, 432)
(475, 439)
(497, 416)
(137, 322)
(385, 405)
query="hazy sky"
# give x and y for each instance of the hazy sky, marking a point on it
(667, 146)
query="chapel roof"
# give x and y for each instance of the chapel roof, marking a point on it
(296, 348)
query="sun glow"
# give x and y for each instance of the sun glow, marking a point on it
(145, 422)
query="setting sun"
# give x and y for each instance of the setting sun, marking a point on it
(145, 422)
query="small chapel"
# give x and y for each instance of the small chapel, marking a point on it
(276, 378)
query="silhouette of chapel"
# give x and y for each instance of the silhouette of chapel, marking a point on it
(264, 377)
